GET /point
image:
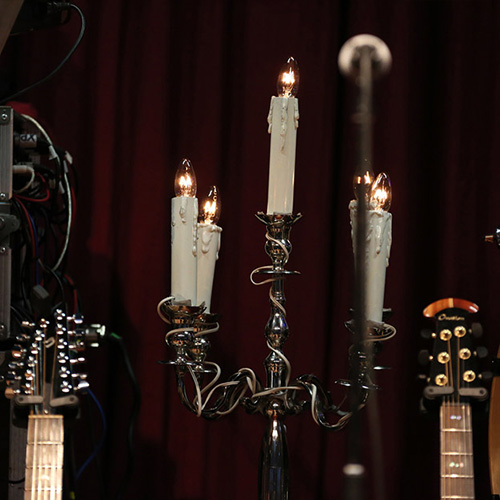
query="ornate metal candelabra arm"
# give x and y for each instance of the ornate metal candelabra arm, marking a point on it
(189, 339)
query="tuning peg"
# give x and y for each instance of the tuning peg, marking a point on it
(82, 386)
(476, 330)
(424, 357)
(481, 352)
(10, 392)
(77, 318)
(18, 352)
(486, 376)
(426, 333)
(493, 238)
(77, 361)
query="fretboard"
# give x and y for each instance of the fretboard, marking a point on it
(457, 468)
(44, 458)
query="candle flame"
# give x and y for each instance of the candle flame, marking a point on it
(362, 182)
(185, 180)
(381, 193)
(210, 213)
(288, 79)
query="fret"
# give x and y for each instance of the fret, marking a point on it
(44, 458)
(457, 465)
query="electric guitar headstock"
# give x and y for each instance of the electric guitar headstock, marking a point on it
(43, 375)
(454, 369)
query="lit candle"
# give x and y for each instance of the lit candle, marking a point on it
(209, 236)
(283, 122)
(184, 234)
(378, 240)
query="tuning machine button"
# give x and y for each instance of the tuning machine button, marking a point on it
(10, 392)
(476, 330)
(426, 333)
(424, 357)
(82, 386)
(18, 352)
(481, 352)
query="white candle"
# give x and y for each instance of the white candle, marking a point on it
(378, 244)
(184, 234)
(283, 120)
(209, 238)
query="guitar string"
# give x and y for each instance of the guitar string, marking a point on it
(460, 480)
(449, 435)
(59, 343)
(456, 421)
(449, 446)
(457, 481)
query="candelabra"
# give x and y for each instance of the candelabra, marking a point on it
(279, 397)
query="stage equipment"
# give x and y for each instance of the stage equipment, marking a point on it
(8, 222)
(9, 10)
(493, 238)
(40, 14)
(281, 396)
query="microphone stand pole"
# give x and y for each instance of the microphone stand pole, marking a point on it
(354, 470)
(361, 58)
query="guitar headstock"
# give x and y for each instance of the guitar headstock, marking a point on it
(43, 374)
(454, 370)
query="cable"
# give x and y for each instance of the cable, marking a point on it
(67, 187)
(62, 63)
(136, 405)
(27, 169)
(99, 445)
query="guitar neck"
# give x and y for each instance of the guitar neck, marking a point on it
(457, 468)
(44, 458)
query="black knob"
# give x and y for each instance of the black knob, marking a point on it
(481, 352)
(426, 333)
(477, 330)
(424, 357)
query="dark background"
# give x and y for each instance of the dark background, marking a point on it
(155, 81)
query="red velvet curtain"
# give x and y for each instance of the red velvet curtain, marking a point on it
(156, 81)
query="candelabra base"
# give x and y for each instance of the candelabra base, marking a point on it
(274, 477)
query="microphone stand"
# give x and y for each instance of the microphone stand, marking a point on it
(360, 58)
